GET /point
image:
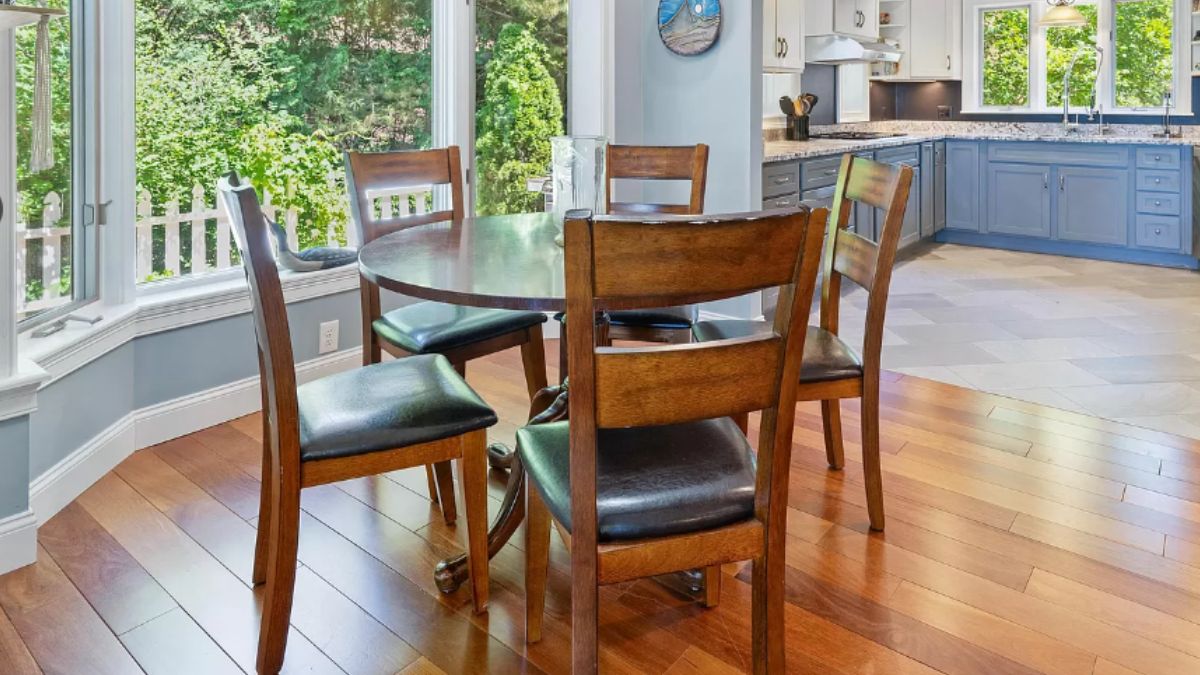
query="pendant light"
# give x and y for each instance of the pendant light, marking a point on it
(1062, 13)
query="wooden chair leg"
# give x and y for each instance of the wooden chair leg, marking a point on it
(533, 357)
(767, 629)
(870, 444)
(712, 586)
(473, 477)
(266, 506)
(742, 420)
(537, 562)
(284, 526)
(831, 418)
(431, 479)
(444, 474)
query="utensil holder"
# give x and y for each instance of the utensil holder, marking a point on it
(797, 127)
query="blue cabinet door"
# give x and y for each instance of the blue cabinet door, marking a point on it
(910, 233)
(962, 185)
(1018, 199)
(1093, 205)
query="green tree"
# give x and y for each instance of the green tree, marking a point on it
(1006, 57)
(1064, 43)
(1144, 62)
(521, 111)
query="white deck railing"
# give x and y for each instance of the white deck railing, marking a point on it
(388, 204)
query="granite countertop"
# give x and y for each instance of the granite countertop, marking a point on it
(777, 150)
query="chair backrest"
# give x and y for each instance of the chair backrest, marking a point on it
(848, 254)
(376, 180)
(276, 363)
(626, 263)
(639, 162)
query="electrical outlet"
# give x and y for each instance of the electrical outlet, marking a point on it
(943, 112)
(328, 338)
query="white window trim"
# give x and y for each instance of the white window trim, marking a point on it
(973, 52)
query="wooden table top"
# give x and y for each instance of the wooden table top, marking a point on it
(503, 262)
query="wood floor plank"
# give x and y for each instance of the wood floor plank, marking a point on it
(173, 644)
(1093, 458)
(122, 593)
(1102, 437)
(14, 655)
(1164, 503)
(422, 666)
(1151, 624)
(1026, 646)
(62, 632)
(235, 489)
(696, 661)
(217, 600)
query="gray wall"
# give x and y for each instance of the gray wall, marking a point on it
(158, 368)
(14, 466)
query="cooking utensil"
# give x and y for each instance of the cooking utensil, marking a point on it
(799, 103)
(787, 106)
(811, 100)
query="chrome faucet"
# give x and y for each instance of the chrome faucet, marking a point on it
(1066, 93)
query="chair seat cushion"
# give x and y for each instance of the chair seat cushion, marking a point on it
(651, 481)
(826, 356)
(391, 405)
(662, 317)
(435, 327)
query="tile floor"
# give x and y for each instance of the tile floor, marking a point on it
(1109, 339)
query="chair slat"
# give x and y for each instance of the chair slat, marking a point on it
(855, 257)
(648, 386)
(689, 258)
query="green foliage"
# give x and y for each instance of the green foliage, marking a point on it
(1144, 61)
(521, 111)
(1006, 57)
(32, 187)
(1063, 43)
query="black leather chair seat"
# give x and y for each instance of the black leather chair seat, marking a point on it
(826, 356)
(404, 402)
(434, 327)
(651, 481)
(663, 317)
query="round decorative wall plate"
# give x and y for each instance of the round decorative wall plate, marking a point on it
(689, 27)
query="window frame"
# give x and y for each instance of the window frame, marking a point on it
(972, 83)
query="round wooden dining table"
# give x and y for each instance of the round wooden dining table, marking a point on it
(501, 262)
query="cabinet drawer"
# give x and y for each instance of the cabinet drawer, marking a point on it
(1163, 232)
(781, 179)
(1159, 158)
(1079, 154)
(819, 173)
(1158, 202)
(1158, 181)
(910, 155)
(784, 202)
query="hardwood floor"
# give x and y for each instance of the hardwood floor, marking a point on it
(1020, 539)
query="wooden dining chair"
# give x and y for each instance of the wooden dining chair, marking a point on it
(833, 370)
(372, 420)
(650, 475)
(459, 333)
(654, 164)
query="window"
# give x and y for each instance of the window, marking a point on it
(275, 91)
(1006, 57)
(55, 244)
(520, 99)
(1067, 45)
(1144, 57)
(1128, 55)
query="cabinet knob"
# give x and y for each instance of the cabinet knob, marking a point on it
(1157, 181)
(1158, 158)
(1158, 230)
(1158, 202)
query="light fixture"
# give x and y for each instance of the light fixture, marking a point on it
(1062, 13)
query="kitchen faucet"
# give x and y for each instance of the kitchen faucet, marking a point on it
(1066, 94)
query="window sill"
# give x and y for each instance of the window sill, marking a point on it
(167, 308)
(18, 394)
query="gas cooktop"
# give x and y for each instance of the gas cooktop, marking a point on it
(855, 135)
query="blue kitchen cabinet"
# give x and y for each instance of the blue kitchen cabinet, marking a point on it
(1018, 199)
(962, 185)
(1093, 205)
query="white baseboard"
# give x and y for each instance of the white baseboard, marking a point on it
(65, 481)
(18, 541)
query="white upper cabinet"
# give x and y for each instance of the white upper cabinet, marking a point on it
(854, 18)
(935, 44)
(783, 36)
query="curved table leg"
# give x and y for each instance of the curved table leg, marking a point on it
(451, 573)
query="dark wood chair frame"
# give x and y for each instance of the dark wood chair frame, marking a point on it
(656, 163)
(369, 172)
(284, 474)
(621, 263)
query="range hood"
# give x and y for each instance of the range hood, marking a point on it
(835, 49)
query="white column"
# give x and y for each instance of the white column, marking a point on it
(113, 72)
(590, 69)
(8, 184)
(454, 87)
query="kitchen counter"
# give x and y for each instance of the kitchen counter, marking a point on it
(777, 150)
